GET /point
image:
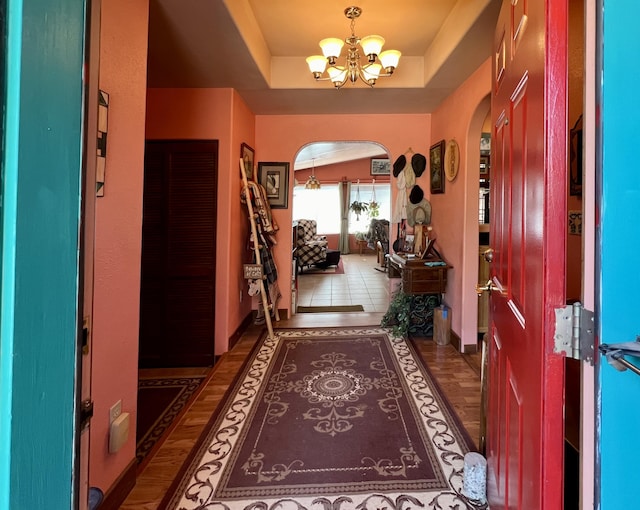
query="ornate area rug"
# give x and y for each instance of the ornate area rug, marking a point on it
(331, 419)
(160, 401)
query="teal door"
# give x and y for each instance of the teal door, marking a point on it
(40, 213)
(618, 294)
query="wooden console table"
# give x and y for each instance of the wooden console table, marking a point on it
(425, 284)
(418, 278)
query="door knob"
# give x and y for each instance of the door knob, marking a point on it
(488, 255)
(487, 287)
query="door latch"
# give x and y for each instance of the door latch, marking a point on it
(575, 332)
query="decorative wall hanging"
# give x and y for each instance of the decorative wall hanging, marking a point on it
(274, 177)
(485, 144)
(485, 165)
(436, 158)
(575, 223)
(575, 159)
(101, 146)
(451, 160)
(248, 156)
(380, 166)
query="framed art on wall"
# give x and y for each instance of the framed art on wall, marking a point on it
(380, 166)
(101, 146)
(484, 165)
(485, 144)
(248, 156)
(274, 177)
(436, 155)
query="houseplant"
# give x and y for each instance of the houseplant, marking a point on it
(358, 208)
(398, 316)
(374, 206)
(374, 209)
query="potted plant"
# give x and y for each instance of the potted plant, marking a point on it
(374, 206)
(358, 208)
(398, 316)
(374, 209)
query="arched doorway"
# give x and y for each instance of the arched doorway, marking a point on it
(347, 172)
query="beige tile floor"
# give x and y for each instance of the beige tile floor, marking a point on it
(361, 284)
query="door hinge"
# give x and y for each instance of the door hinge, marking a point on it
(575, 332)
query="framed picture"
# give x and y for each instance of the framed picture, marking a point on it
(575, 159)
(485, 144)
(380, 166)
(436, 155)
(248, 156)
(274, 177)
(101, 145)
(484, 165)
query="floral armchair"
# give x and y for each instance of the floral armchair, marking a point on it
(310, 247)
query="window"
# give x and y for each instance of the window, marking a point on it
(382, 196)
(322, 205)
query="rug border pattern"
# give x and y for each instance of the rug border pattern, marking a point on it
(197, 484)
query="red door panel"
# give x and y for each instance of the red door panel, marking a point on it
(528, 193)
(519, 17)
(517, 238)
(515, 445)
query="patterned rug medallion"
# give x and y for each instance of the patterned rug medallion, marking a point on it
(328, 419)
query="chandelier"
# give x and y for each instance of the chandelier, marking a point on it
(353, 69)
(312, 182)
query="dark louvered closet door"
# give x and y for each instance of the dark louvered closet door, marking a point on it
(178, 254)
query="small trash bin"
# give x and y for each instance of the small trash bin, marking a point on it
(442, 325)
(95, 498)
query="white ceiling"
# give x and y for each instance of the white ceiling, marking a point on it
(258, 47)
(318, 154)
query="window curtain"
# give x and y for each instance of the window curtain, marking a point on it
(345, 195)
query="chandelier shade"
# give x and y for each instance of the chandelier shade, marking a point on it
(364, 60)
(312, 182)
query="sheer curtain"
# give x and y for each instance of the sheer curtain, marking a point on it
(345, 194)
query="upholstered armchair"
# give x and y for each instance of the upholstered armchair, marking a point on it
(310, 247)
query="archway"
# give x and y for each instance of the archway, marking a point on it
(469, 328)
(347, 171)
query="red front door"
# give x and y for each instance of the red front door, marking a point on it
(528, 189)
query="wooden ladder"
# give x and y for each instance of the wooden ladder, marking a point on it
(256, 248)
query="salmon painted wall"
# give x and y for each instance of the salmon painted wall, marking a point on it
(455, 212)
(118, 218)
(280, 137)
(237, 228)
(214, 114)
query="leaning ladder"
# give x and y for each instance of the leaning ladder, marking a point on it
(256, 248)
